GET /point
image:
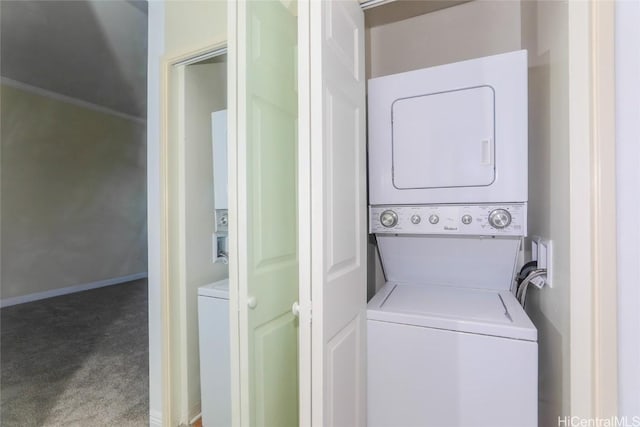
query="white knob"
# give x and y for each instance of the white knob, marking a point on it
(434, 219)
(252, 302)
(415, 219)
(295, 309)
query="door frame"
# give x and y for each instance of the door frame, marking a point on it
(239, 409)
(593, 372)
(173, 327)
(604, 231)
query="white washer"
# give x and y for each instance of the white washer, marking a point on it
(443, 356)
(448, 343)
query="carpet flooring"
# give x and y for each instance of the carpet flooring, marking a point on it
(76, 360)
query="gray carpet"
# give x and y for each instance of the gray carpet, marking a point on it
(76, 360)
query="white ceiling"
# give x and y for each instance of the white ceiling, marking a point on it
(95, 51)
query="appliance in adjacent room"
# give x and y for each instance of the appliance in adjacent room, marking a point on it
(215, 353)
(448, 342)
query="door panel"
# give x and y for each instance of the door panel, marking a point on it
(343, 122)
(337, 227)
(267, 211)
(275, 364)
(345, 382)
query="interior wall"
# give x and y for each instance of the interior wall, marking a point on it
(193, 24)
(628, 206)
(205, 92)
(545, 36)
(73, 194)
(470, 30)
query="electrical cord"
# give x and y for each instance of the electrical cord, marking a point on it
(524, 272)
(521, 293)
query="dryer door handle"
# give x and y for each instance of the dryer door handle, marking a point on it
(485, 150)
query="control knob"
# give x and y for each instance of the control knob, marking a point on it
(499, 218)
(388, 218)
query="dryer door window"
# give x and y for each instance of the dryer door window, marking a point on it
(444, 139)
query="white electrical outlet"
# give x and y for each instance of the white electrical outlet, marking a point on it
(541, 251)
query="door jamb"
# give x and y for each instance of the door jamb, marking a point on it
(169, 365)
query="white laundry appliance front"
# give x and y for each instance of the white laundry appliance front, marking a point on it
(455, 133)
(448, 343)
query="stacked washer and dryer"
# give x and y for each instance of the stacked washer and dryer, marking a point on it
(448, 343)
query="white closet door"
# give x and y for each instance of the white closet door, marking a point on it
(264, 265)
(333, 102)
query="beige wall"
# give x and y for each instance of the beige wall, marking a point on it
(73, 195)
(194, 24)
(471, 30)
(545, 36)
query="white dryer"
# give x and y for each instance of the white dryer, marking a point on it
(455, 133)
(448, 343)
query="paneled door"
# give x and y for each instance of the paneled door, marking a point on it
(263, 127)
(333, 227)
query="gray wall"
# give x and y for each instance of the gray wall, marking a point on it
(73, 194)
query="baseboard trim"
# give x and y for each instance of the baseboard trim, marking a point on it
(6, 302)
(155, 418)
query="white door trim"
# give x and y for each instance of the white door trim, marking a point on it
(174, 387)
(232, 167)
(592, 376)
(603, 183)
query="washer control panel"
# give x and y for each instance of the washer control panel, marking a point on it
(477, 220)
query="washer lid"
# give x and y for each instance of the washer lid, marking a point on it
(478, 311)
(458, 261)
(219, 289)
